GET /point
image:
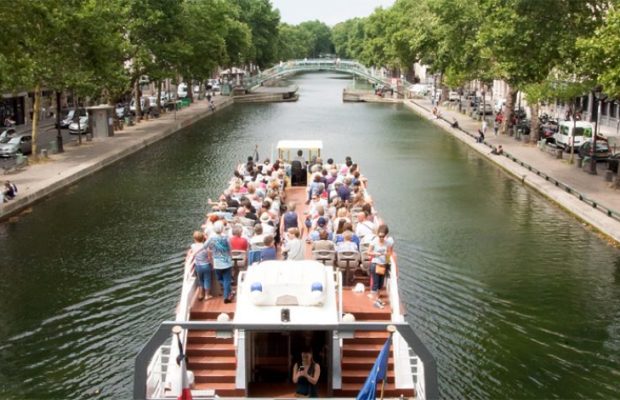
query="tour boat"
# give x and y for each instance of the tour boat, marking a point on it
(247, 348)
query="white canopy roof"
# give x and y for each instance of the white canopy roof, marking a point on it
(300, 144)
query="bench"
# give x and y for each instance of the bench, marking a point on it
(20, 163)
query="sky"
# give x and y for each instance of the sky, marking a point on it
(329, 11)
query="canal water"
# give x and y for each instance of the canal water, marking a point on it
(515, 298)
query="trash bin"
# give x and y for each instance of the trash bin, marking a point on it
(53, 146)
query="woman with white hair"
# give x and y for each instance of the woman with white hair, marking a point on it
(220, 255)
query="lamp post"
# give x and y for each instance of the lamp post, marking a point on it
(60, 148)
(600, 97)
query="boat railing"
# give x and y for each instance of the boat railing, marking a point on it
(156, 371)
(393, 291)
(428, 388)
(339, 283)
(182, 314)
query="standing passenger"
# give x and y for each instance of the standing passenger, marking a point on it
(219, 250)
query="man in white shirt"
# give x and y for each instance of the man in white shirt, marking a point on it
(364, 227)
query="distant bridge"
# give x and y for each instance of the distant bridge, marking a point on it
(297, 66)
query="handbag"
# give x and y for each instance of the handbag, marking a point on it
(380, 269)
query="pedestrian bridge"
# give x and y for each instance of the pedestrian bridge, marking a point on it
(292, 67)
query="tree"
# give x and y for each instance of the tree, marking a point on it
(263, 21)
(600, 54)
(320, 38)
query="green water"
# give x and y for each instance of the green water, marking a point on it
(514, 297)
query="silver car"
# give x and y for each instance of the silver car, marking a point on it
(18, 144)
(83, 127)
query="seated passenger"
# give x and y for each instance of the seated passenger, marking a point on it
(347, 244)
(258, 240)
(293, 247)
(323, 243)
(354, 238)
(237, 242)
(269, 251)
(364, 226)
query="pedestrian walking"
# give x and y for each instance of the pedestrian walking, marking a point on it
(495, 127)
(484, 126)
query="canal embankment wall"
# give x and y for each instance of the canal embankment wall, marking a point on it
(585, 212)
(42, 179)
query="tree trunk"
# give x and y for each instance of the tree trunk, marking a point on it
(510, 105)
(190, 90)
(535, 123)
(137, 100)
(35, 119)
(444, 89)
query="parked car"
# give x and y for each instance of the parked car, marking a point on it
(575, 133)
(488, 109)
(182, 90)
(602, 152)
(7, 132)
(83, 127)
(419, 89)
(69, 117)
(18, 144)
(454, 96)
(215, 85)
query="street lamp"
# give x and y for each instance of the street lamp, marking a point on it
(59, 146)
(600, 97)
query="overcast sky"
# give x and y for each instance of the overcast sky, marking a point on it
(329, 11)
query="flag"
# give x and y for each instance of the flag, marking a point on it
(377, 373)
(186, 393)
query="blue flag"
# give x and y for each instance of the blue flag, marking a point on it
(377, 373)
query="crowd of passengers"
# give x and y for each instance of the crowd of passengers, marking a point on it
(253, 216)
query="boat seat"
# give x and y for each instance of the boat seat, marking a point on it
(327, 257)
(348, 261)
(365, 261)
(239, 258)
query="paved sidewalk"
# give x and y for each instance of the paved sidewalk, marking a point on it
(593, 187)
(38, 181)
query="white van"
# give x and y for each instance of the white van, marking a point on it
(565, 136)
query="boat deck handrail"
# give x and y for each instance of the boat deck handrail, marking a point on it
(164, 331)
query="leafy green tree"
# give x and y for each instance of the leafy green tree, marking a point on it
(320, 38)
(263, 21)
(294, 42)
(600, 54)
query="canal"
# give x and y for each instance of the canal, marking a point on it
(515, 298)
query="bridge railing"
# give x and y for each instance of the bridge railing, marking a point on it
(294, 66)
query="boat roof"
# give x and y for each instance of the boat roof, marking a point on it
(300, 144)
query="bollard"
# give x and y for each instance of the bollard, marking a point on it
(558, 154)
(609, 175)
(44, 153)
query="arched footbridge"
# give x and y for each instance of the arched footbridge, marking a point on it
(291, 67)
